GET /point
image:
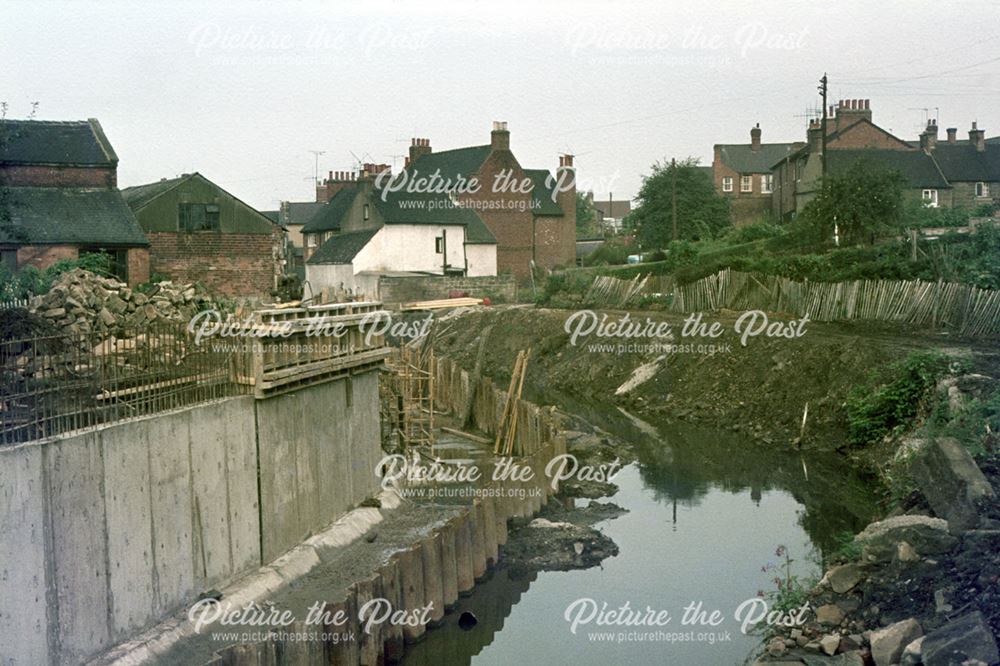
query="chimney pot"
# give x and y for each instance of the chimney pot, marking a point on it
(952, 134)
(755, 138)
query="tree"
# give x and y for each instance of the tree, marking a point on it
(859, 204)
(701, 212)
(586, 217)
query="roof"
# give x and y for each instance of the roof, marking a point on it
(75, 216)
(743, 159)
(916, 167)
(477, 233)
(542, 195)
(328, 216)
(138, 196)
(273, 215)
(960, 162)
(452, 163)
(342, 248)
(422, 208)
(296, 212)
(76, 143)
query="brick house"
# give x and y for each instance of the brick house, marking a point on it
(521, 214)
(951, 173)
(60, 189)
(742, 174)
(198, 232)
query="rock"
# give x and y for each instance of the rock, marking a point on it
(888, 643)
(844, 578)
(912, 653)
(953, 484)
(906, 553)
(106, 317)
(979, 387)
(967, 638)
(776, 647)
(941, 604)
(929, 536)
(54, 313)
(829, 614)
(829, 644)
(845, 659)
(852, 642)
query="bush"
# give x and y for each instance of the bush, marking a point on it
(29, 281)
(607, 253)
(883, 407)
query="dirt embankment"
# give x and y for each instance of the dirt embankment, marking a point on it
(760, 389)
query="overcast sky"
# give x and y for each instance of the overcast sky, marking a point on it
(243, 91)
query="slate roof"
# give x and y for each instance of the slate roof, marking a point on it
(416, 208)
(296, 212)
(916, 167)
(74, 216)
(328, 216)
(342, 248)
(542, 202)
(742, 159)
(965, 163)
(477, 233)
(77, 143)
(458, 162)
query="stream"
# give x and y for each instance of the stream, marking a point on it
(707, 513)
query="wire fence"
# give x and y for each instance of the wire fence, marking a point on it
(962, 308)
(59, 383)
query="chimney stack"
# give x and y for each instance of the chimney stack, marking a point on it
(928, 138)
(500, 136)
(418, 148)
(814, 136)
(952, 134)
(977, 138)
(755, 138)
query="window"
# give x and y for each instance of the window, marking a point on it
(767, 183)
(197, 217)
(930, 198)
(727, 184)
(746, 183)
(439, 244)
(982, 190)
(311, 240)
(365, 212)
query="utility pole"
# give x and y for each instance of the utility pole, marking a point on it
(822, 90)
(317, 153)
(673, 193)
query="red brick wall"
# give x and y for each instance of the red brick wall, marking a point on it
(864, 135)
(48, 176)
(226, 264)
(43, 256)
(137, 259)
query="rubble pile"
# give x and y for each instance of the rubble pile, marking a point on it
(83, 303)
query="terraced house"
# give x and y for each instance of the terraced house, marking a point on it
(198, 232)
(61, 199)
(377, 222)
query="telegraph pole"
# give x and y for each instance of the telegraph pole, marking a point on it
(673, 193)
(822, 90)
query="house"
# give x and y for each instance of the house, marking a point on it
(519, 216)
(741, 173)
(61, 198)
(292, 216)
(609, 213)
(951, 173)
(364, 232)
(199, 232)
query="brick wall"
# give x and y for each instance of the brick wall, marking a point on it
(137, 259)
(226, 264)
(63, 176)
(395, 290)
(43, 256)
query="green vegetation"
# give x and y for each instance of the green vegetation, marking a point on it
(701, 212)
(974, 423)
(847, 550)
(611, 252)
(861, 205)
(791, 591)
(586, 217)
(891, 401)
(30, 281)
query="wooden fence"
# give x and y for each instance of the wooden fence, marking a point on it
(453, 387)
(962, 308)
(14, 303)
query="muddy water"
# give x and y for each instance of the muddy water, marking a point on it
(707, 513)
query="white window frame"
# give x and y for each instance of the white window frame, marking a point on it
(746, 183)
(982, 190)
(439, 245)
(930, 198)
(310, 240)
(727, 184)
(365, 212)
(766, 183)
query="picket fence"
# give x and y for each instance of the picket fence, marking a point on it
(962, 308)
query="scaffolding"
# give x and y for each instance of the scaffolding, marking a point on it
(407, 398)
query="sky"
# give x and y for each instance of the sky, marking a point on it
(244, 92)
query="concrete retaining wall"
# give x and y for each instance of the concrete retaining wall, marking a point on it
(395, 290)
(105, 532)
